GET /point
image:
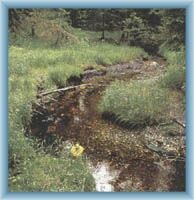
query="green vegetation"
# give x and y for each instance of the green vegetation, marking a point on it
(59, 75)
(137, 102)
(58, 64)
(31, 170)
(46, 47)
(146, 102)
(174, 77)
(49, 174)
(147, 28)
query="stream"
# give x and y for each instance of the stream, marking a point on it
(120, 159)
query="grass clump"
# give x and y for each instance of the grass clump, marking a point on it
(137, 102)
(174, 78)
(59, 75)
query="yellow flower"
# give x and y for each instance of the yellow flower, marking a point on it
(77, 150)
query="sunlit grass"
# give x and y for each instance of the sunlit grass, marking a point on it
(175, 76)
(59, 75)
(137, 102)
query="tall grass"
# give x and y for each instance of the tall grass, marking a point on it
(49, 174)
(81, 54)
(137, 102)
(59, 75)
(174, 77)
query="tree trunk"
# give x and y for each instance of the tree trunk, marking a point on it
(33, 31)
(103, 35)
(74, 18)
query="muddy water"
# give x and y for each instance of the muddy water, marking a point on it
(120, 159)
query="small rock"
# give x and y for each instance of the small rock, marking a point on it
(76, 119)
(154, 64)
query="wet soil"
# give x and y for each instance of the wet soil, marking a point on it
(148, 158)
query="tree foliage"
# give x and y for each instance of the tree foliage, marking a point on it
(16, 18)
(147, 28)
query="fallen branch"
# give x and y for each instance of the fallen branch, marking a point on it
(62, 89)
(38, 112)
(178, 122)
(38, 104)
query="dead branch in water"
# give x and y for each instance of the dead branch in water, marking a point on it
(38, 112)
(66, 89)
(62, 89)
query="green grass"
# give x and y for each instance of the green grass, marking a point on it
(32, 62)
(137, 102)
(29, 168)
(59, 75)
(49, 174)
(81, 54)
(174, 77)
(56, 65)
(146, 102)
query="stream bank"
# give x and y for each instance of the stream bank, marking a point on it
(121, 159)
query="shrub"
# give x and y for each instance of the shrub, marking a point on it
(137, 102)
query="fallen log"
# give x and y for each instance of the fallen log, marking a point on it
(63, 89)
